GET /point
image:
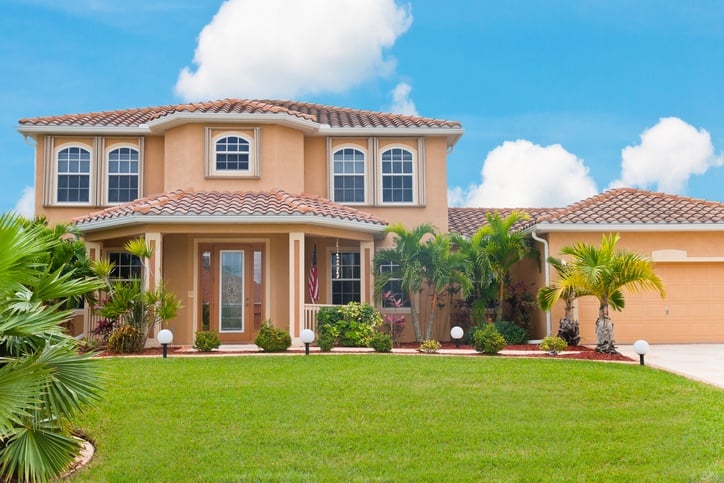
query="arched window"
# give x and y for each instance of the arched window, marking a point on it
(73, 175)
(349, 176)
(397, 176)
(122, 175)
(231, 153)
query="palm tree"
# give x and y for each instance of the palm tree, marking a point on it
(568, 327)
(602, 272)
(445, 272)
(44, 383)
(504, 248)
(412, 261)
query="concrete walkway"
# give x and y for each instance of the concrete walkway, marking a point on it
(702, 362)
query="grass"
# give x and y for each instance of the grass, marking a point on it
(401, 418)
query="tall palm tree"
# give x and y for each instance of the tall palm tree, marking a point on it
(504, 248)
(44, 383)
(412, 261)
(445, 271)
(602, 272)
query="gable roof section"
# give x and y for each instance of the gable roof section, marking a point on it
(622, 209)
(240, 207)
(314, 118)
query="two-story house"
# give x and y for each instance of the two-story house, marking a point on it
(238, 198)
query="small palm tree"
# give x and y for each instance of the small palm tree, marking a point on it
(568, 327)
(602, 272)
(44, 383)
(409, 254)
(504, 248)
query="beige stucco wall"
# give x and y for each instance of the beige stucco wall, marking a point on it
(692, 309)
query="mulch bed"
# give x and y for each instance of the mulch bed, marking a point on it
(583, 352)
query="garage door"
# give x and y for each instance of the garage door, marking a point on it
(691, 312)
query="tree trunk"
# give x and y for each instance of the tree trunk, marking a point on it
(431, 317)
(568, 330)
(604, 336)
(415, 320)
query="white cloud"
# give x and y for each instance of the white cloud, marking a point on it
(401, 101)
(282, 48)
(26, 204)
(669, 154)
(520, 174)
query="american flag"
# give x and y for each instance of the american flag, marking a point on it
(313, 280)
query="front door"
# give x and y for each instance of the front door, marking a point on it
(231, 287)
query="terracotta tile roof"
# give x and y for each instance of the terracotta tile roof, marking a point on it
(219, 204)
(466, 221)
(621, 206)
(321, 114)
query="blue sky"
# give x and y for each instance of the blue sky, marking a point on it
(559, 99)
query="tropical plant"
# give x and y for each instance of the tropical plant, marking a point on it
(568, 326)
(127, 303)
(602, 272)
(394, 322)
(504, 247)
(429, 346)
(352, 324)
(272, 339)
(412, 260)
(381, 342)
(206, 341)
(553, 344)
(488, 340)
(44, 382)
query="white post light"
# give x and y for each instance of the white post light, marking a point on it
(641, 347)
(456, 333)
(165, 337)
(307, 337)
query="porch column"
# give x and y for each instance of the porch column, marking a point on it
(367, 277)
(296, 285)
(93, 250)
(152, 267)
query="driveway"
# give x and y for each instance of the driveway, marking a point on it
(702, 362)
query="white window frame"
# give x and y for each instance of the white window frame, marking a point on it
(332, 272)
(363, 174)
(108, 174)
(253, 169)
(57, 174)
(412, 175)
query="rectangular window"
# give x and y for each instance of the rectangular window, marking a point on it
(345, 272)
(122, 175)
(393, 295)
(397, 176)
(231, 291)
(127, 267)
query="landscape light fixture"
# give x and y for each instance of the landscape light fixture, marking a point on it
(456, 333)
(307, 337)
(641, 347)
(165, 337)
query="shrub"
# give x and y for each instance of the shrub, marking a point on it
(553, 345)
(326, 341)
(429, 346)
(512, 332)
(381, 342)
(206, 341)
(272, 339)
(488, 340)
(355, 323)
(126, 339)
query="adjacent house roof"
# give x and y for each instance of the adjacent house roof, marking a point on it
(622, 209)
(317, 118)
(187, 206)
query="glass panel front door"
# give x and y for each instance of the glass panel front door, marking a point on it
(231, 290)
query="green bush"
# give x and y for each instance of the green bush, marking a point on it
(553, 344)
(326, 341)
(488, 340)
(512, 332)
(430, 346)
(354, 323)
(126, 339)
(206, 341)
(272, 339)
(381, 342)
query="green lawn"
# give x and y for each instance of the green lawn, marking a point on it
(401, 418)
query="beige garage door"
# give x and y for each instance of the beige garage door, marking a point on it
(692, 312)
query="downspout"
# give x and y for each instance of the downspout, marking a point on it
(547, 275)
